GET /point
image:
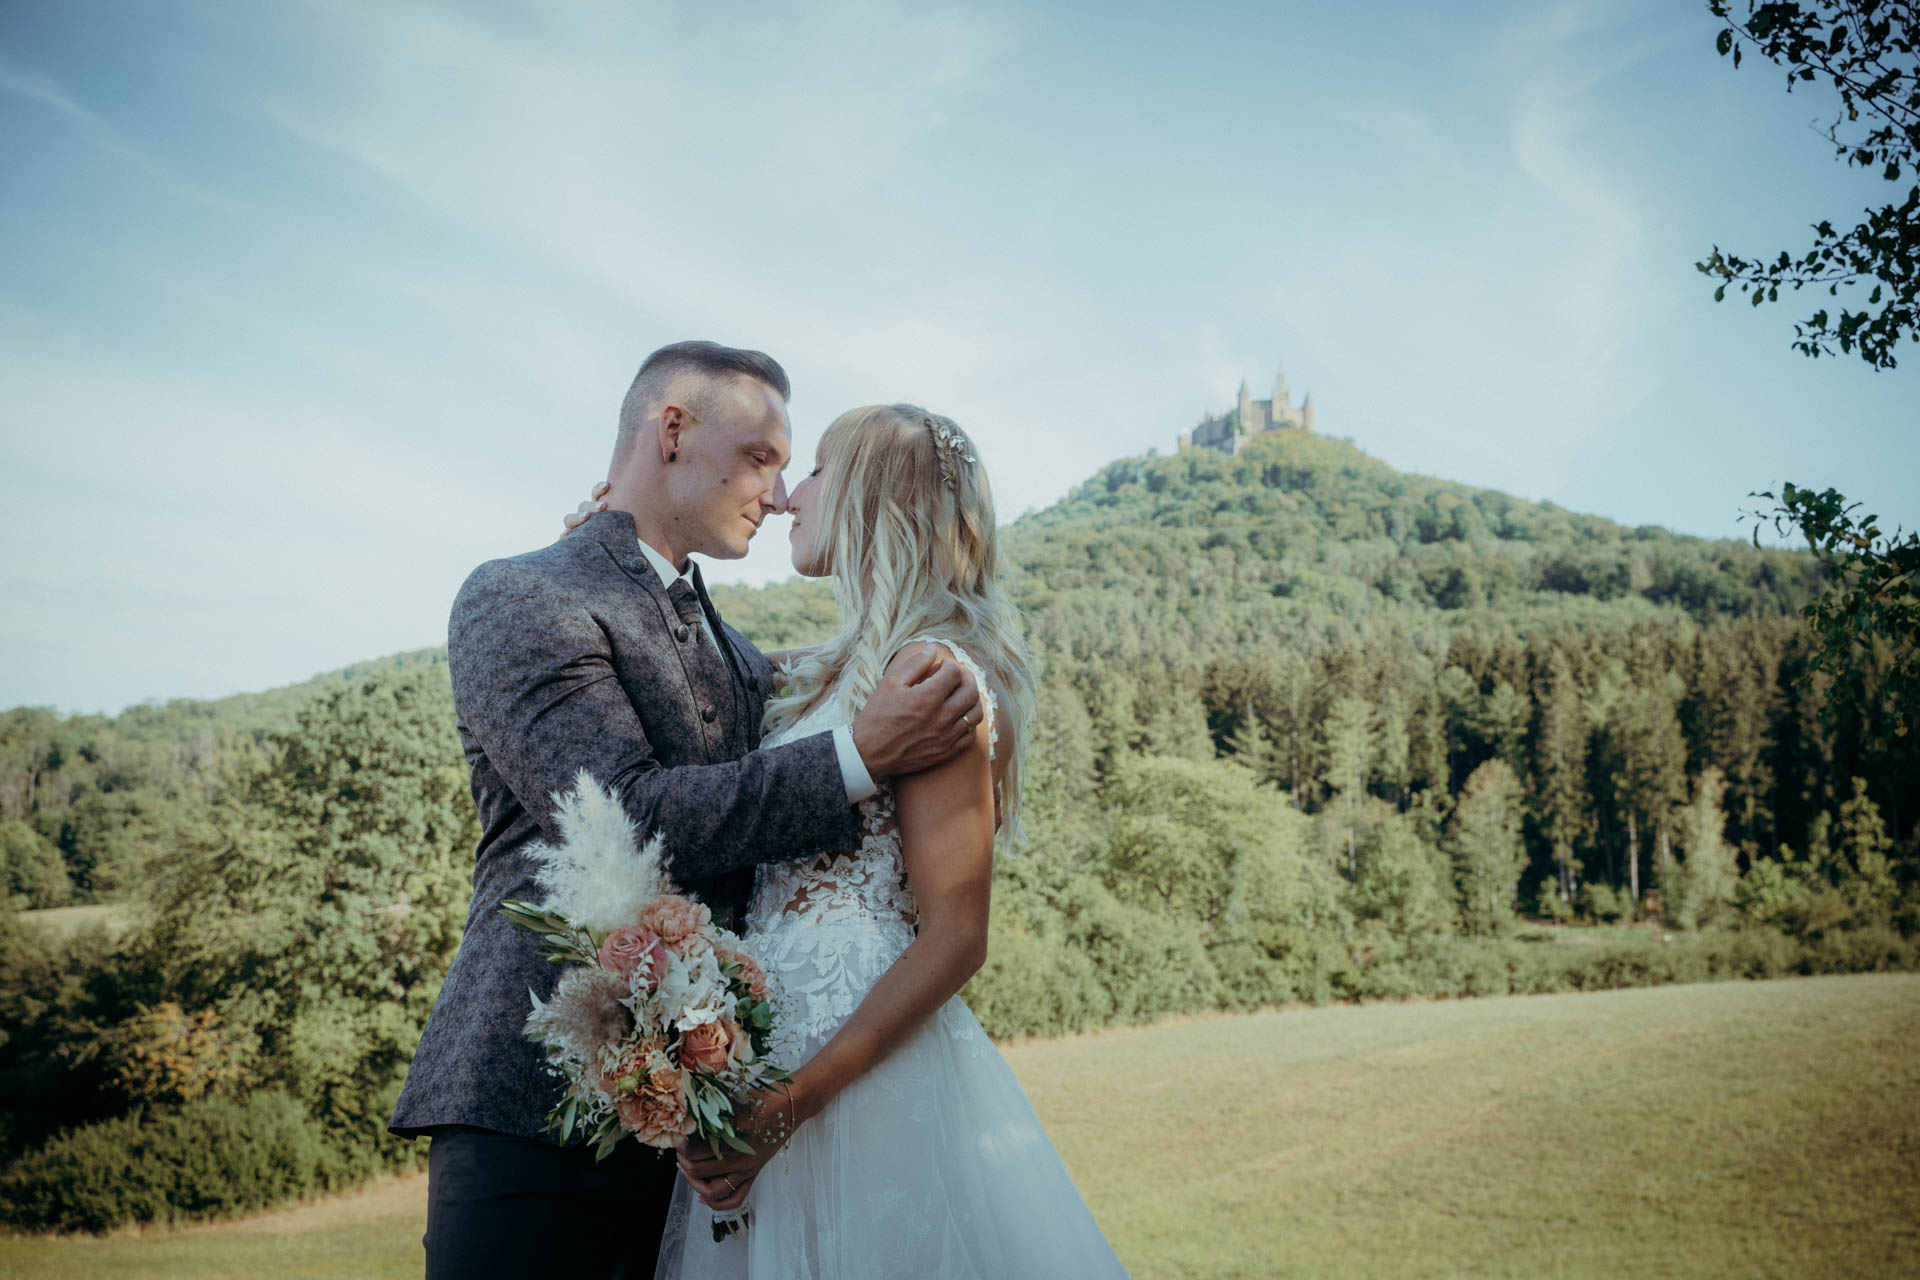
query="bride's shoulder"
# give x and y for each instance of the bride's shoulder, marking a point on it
(914, 654)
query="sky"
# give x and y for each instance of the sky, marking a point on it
(308, 308)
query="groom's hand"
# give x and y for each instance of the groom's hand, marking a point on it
(921, 713)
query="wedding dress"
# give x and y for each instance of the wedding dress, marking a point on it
(931, 1165)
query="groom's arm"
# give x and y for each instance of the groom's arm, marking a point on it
(534, 682)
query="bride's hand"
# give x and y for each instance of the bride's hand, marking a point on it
(595, 502)
(765, 1118)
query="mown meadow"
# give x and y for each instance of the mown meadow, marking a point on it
(1701, 1130)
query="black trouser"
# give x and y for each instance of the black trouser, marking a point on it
(509, 1207)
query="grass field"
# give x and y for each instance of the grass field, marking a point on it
(1730, 1129)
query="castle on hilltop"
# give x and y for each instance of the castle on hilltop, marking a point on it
(1227, 432)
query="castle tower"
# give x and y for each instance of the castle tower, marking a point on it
(1246, 410)
(1306, 413)
(1282, 401)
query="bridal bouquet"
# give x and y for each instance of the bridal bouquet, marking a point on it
(661, 1019)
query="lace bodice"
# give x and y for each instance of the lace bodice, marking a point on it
(841, 917)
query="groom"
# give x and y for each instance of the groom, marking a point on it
(602, 652)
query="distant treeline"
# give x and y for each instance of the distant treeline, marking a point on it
(1310, 729)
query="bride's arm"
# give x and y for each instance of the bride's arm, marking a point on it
(946, 834)
(946, 818)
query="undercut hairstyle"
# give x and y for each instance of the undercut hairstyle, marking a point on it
(715, 362)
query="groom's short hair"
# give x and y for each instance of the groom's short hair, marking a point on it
(677, 358)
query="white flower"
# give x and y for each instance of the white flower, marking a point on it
(694, 991)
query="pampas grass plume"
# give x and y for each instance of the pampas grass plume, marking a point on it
(599, 875)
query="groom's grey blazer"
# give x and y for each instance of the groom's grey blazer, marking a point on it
(575, 657)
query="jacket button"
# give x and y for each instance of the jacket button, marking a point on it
(681, 633)
(707, 714)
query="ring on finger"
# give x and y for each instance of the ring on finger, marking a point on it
(728, 1179)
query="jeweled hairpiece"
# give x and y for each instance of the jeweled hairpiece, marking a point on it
(950, 447)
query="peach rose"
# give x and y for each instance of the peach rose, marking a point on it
(709, 1046)
(654, 1111)
(629, 947)
(750, 972)
(675, 918)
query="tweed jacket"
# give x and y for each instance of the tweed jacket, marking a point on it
(576, 657)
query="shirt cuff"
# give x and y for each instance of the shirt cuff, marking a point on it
(853, 770)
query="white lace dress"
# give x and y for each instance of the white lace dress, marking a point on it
(932, 1165)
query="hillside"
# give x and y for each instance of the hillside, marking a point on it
(1297, 546)
(1307, 537)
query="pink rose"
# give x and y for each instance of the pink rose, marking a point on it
(709, 1046)
(629, 947)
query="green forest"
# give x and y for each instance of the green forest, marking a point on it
(1311, 729)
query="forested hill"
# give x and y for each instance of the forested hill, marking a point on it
(1301, 539)
(1184, 568)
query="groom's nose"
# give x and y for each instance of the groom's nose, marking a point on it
(777, 501)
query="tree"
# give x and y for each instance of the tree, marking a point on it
(1348, 749)
(1560, 766)
(321, 907)
(1873, 585)
(1403, 881)
(32, 873)
(1487, 853)
(1865, 867)
(1865, 50)
(1701, 889)
(1250, 746)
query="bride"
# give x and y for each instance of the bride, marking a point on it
(909, 1148)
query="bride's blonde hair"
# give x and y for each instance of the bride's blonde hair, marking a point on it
(907, 529)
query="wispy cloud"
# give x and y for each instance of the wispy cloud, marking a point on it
(41, 91)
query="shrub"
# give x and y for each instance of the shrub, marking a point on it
(1870, 950)
(206, 1159)
(1033, 984)
(1602, 902)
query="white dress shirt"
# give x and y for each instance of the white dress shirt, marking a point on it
(853, 770)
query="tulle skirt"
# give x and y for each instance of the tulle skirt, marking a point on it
(932, 1165)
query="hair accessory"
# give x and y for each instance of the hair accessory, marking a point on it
(950, 447)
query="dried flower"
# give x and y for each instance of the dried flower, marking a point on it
(584, 1016)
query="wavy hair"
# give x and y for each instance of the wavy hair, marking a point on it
(911, 544)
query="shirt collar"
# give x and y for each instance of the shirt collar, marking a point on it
(663, 566)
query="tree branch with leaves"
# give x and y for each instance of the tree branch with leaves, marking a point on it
(1865, 50)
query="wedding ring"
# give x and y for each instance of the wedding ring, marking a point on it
(728, 1179)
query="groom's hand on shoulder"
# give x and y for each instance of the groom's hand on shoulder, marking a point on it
(922, 712)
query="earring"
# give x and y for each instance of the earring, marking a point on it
(674, 454)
